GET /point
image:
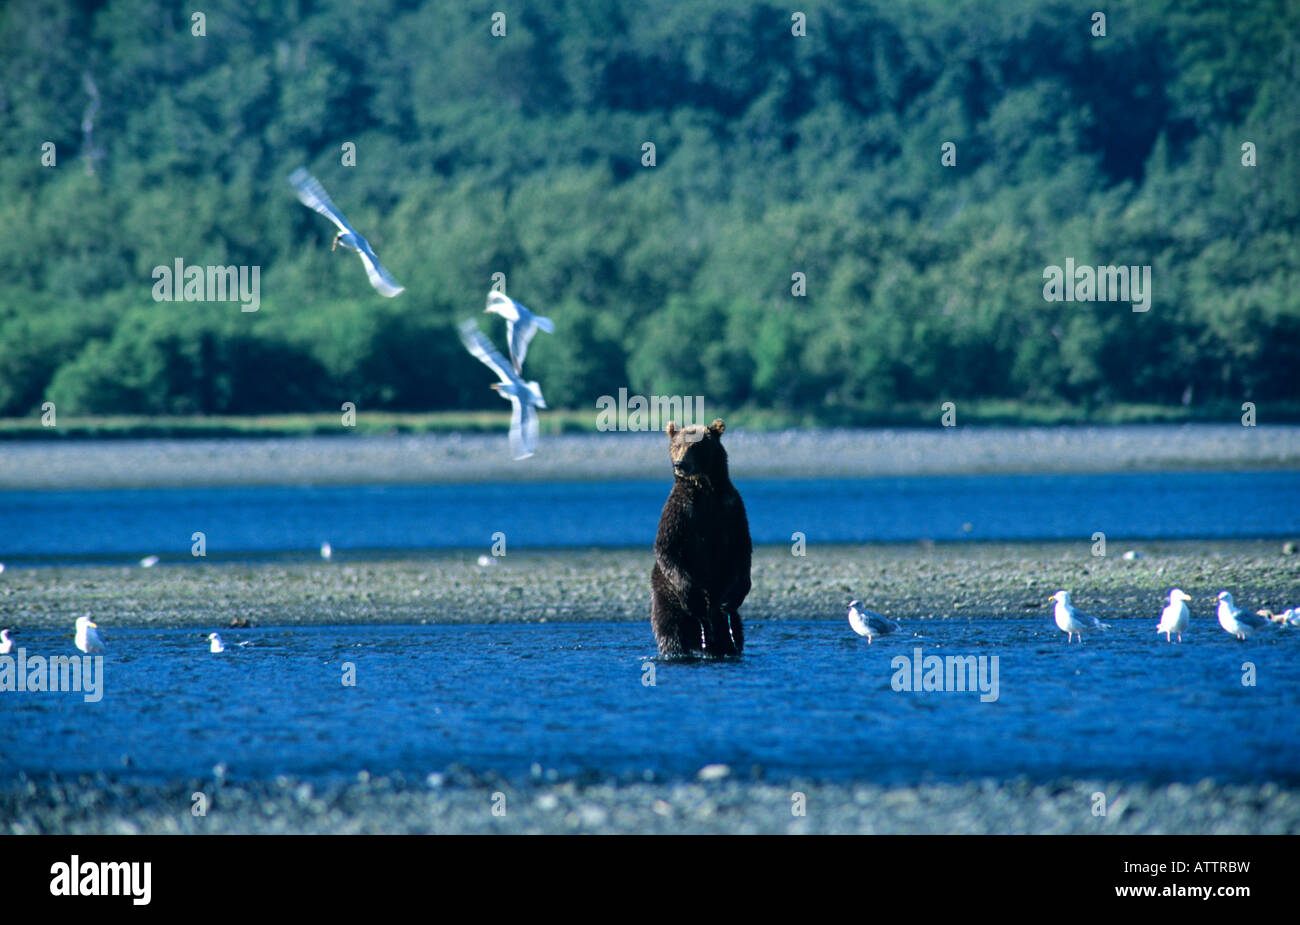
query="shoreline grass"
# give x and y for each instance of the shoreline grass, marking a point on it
(985, 413)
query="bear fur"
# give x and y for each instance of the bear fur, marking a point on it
(702, 552)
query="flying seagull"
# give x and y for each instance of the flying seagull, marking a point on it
(1173, 619)
(1236, 621)
(869, 624)
(524, 397)
(1072, 621)
(313, 196)
(521, 325)
(88, 635)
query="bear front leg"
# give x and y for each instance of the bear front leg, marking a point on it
(736, 592)
(674, 576)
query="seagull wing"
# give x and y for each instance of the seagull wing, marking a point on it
(1087, 620)
(519, 334)
(1251, 619)
(379, 277)
(522, 332)
(519, 445)
(528, 424)
(313, 196)
(477, 344)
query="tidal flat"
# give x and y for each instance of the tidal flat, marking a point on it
(912, 581)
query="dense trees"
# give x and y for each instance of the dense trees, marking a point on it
(775, 155)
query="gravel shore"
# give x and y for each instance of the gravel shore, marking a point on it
(916, 581)
(456, 802)
(48, 464)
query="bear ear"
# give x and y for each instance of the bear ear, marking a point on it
(717, 427)
(671, 430)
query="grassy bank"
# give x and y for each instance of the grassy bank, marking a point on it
(1001, 413)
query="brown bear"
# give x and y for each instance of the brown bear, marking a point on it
(702, 553)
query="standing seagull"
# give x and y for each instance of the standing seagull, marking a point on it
(521, 325)
(1236, 621)
(869, 624)
(5, 642)
(1072, 621)
(313, 196)
(88, 635)
(1173, 619)
(524, 397)
(217, 646)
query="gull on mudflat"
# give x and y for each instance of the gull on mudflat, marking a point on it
(521, 325)
(313, 196)
(1238, 622)
(868, 623)
(524, 397)
(1071, 620)
(1173, 619)
(5, 642)
(216, 644)
(88, 635)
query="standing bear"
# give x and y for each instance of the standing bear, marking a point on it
(702, 552)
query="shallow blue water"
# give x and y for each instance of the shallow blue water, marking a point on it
(808, 698)
(58, 526)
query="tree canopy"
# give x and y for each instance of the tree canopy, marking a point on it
(775, 154)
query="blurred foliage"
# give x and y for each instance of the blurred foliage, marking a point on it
(775, 154)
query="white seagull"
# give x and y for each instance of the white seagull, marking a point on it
(1072, 621)
(521, 325)
(148, 561)
(524, 397)
(1236, 621)
(869, 624)
(313, 196)
(1173, 619)
(326, 551)
(217, 645)
(88, 635)
(5, 642)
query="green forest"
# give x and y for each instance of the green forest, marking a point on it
(1171, 141)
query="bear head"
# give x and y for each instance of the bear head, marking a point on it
(697, 450)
